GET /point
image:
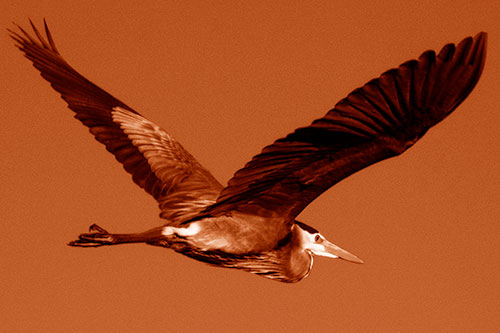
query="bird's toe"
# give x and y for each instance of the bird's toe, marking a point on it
(96, 237)
(95, 228)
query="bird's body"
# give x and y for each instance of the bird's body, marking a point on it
(250, 224)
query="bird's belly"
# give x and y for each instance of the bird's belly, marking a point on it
(231, 235)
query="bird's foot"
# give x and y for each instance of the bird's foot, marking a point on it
(97, 236)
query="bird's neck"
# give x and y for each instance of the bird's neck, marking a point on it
(298, 262)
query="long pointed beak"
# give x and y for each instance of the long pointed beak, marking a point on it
(332, 250)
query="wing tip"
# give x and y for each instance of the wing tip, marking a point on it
(46, 42)
(479, 47)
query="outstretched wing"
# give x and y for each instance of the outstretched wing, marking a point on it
(156, 161)
(380, 120)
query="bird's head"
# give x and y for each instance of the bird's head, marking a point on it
(315, 243)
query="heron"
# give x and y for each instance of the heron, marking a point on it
(250, 224)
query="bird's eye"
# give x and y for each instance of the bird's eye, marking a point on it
(317, 238)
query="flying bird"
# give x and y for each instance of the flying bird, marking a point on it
(250, 223)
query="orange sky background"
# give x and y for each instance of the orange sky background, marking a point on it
(226, 79)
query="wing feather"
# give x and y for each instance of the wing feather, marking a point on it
(156, 161)
(377, 121)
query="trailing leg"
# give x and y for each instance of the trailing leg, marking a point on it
(98, 236)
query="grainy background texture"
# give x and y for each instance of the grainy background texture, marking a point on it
(227, 78)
